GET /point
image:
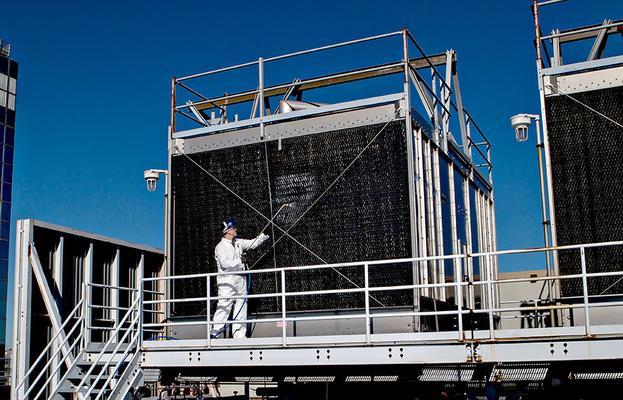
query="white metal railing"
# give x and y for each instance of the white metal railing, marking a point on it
(132, 345)
(66, 343)
(72, 340)
(490, 306)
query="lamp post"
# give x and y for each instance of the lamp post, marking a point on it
(151, 178)
(520, 124)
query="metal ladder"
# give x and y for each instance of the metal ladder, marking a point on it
(109, 374)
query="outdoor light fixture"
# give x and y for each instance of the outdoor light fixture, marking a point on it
(151, 178)
(520, 124)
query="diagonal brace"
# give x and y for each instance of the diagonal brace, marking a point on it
(50, 303)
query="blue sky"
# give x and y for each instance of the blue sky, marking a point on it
(93, 91)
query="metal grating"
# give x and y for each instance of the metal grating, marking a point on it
(358, 379)
(365, 216)
(595, 375)
(587, 174)
(253, 378)
(312, 379)
(519, 372)
(447, 374)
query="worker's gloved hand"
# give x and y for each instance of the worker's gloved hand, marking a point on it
(263, 237)
(244, 258)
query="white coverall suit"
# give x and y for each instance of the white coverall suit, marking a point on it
(228, 259)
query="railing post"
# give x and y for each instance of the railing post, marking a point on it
(283, 307)
(587, 321)
(261, 94)
(140, 272)
(85, 311)
(459, 297)
(490, 302)
(208, 311)
(367, 301)
(141, 295)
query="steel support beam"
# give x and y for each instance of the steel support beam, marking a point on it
(465, 135)
(57, 278)
(600, 43)
(114, 293)
(88, 278)
(315, 83)
(399, 354)
(50, 305)
(22, 310)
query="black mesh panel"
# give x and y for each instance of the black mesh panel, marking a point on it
(586, 152)
(364, 216)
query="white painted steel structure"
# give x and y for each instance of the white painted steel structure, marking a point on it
(130, 346)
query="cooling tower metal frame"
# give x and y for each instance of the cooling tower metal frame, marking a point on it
(438, 99)
(576, 84)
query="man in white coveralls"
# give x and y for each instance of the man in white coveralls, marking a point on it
(229, 254)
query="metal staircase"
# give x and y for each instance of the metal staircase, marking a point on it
(71, 367)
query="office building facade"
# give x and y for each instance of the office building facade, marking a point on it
(8, 86)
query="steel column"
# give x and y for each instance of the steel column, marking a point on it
(114, 293)
(22, 310)
(57, 279)
(415, 215)
(88, 299)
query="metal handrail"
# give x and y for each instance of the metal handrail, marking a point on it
(430, 64)
(45, 350)
(394, 261)
(133, 341)
(395, 288)
(65, 375)
(134, 308)
(582, 30)
(285, 86)
(289, 55)
(489, 283)
(58, 367)
(107, 363)
(99, 285)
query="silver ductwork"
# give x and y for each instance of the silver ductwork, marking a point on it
(286, 106)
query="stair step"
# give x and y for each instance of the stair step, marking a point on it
(67, 390)
(80, 376)
(87, 363)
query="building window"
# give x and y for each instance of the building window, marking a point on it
(5, 212)
(10, 117)
(9, 136)
(4, 269)
(7, 173)
(8, 155)
(5, 231)
(6, 192)
(12, 85)
(13, 69)
(4, 249)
